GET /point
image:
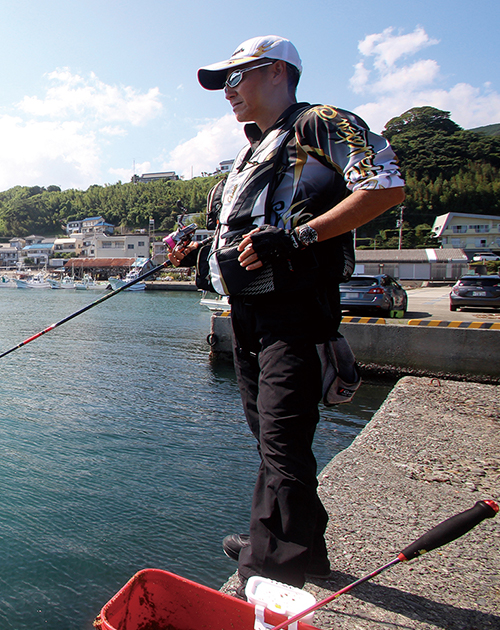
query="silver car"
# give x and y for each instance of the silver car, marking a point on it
(378, 293)
(476, 291)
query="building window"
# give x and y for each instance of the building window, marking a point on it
(130, 246)
(106, 245)
(141, 244)
(459, 229)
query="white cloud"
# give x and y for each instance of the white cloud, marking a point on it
(396, 87)
(72, 94)
(217, 140)
(46, 153)
(57, 138)
(387, 48)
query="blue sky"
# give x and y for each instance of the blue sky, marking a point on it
(92, 88)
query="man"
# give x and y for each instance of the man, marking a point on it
(309, 176)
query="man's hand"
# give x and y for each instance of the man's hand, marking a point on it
(265, 244)
(177, 255)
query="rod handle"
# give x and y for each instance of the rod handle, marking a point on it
(450, 529)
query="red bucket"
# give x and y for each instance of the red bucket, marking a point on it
(159, 600)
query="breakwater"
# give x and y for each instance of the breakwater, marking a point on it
(405, 349)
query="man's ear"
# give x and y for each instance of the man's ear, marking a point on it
(278, 72)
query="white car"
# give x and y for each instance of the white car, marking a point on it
(485, 256)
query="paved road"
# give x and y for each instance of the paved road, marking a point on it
(434, 303)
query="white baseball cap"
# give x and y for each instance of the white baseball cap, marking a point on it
(213, 77)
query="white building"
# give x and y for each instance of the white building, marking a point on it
(470, 232)
(113, 246)
(145, 178)
(69, 245)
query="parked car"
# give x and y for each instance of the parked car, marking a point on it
(377, 293)
(485, 257)
(476, 291)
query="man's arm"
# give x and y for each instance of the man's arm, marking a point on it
(354, 211)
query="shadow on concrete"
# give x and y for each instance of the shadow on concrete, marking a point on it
(418, 315)
(414, 607)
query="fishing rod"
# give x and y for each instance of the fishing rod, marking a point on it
(448, 530)
(182, 236)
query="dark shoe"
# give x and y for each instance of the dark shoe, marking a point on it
(240, 590)
(234, 543)
(319, 570)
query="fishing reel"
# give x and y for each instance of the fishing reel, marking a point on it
(183, 234)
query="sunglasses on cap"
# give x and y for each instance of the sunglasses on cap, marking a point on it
(236, 77)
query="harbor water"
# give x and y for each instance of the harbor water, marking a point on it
(122, 446)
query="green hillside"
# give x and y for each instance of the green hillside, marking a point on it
(488, 130)
(446, 168)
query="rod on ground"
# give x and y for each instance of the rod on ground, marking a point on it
(450, 529)
(86, 308)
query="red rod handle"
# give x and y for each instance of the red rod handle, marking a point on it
(450, 529)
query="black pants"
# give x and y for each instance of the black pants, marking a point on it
(279, 376)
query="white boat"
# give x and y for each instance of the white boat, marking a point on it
(37, 282)
(66, 282)
(215, 302)
(7, 283)
(117, 283)
(140, 266)
(88, 283)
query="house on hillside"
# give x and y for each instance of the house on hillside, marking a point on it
(39, 253)
(89, 226)
(153, 177)
(8, 255)
(474, 233)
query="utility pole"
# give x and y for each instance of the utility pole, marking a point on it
(399, 224)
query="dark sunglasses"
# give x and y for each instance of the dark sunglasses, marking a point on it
(236, 77)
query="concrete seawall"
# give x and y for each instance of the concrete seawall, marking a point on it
(430, 452)
(403, 348)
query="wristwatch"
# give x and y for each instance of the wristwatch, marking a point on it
(307, 235)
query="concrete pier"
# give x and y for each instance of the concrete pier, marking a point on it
(430, 452)
(434, 350)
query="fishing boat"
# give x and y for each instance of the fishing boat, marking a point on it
(140, 266)
(37, 282)
(66, 282)
(7, 283)
(88, 283)
(215, 302)
(117, 283)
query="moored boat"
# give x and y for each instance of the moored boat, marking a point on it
(7, 283)
(140, 266)
(37, 282)
(215, 302)
(118, 283)
(88, 283)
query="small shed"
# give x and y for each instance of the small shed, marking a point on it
(413, 264)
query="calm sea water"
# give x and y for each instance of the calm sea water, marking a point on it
(121, 447)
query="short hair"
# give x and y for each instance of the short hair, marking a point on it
(293, 74)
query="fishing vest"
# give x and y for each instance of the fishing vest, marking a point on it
(245, 200)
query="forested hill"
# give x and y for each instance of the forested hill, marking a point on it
(488, 130)
(447, 169)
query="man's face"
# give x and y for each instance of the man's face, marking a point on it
(248, 99)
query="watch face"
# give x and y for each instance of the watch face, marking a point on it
(307, 234)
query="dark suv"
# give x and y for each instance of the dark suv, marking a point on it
(475, 291)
